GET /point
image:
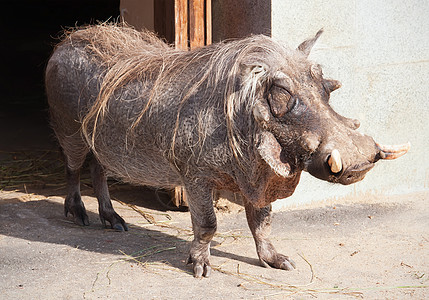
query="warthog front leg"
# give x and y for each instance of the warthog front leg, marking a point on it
(200, 200)
(259, 221)
(101, 190)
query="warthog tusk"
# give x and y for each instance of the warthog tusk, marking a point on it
(394, 151)
(334, 161)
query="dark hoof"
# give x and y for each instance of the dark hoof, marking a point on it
(115, 220)
(79, 214)
(120, 227)
(279, 261)
(201, 268)
(81, 220)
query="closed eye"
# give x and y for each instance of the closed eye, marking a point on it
(279, 100)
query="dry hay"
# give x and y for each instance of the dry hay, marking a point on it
(32, 168)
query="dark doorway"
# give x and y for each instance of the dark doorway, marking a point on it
(29, 31)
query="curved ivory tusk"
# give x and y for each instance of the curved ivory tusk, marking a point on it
(334, 161)
(393, 152)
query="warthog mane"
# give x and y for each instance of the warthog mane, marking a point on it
(127, 55)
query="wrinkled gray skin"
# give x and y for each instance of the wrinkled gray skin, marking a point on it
(290, 128)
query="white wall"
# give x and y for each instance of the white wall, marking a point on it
(379, 50)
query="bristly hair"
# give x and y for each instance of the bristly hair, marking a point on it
(129, 55)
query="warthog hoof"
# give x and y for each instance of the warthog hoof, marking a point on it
(279, 261)
(75, 207)
(115, 220)
(201, 266)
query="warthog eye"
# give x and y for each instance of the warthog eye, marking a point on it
(280, 101)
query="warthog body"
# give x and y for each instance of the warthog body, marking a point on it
(246, 116)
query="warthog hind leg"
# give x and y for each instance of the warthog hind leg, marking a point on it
(105, 208)
(73, 203)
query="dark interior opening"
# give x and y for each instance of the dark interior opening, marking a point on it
(164, 19)
(29, 31)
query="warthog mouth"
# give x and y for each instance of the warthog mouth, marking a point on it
(353, 174)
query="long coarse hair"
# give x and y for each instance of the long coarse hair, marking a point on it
(243, 66)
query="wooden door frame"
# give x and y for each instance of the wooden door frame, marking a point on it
(193, 23)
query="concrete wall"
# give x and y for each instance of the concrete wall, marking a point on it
(379, 50)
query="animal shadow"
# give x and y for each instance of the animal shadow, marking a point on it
(43, 220)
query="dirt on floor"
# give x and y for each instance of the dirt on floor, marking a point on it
(372, 248)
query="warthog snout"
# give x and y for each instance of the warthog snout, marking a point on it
(349, 165)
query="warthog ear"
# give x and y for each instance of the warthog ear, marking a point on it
(305, 47)
(331, 84)
(253, 69)
(270, 151)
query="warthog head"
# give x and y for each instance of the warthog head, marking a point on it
(301, 131)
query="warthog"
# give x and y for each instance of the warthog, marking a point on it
(246, 116)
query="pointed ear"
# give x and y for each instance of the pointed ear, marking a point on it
(270, 151)
(331, 84)
(305, 47)
(255, 68)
